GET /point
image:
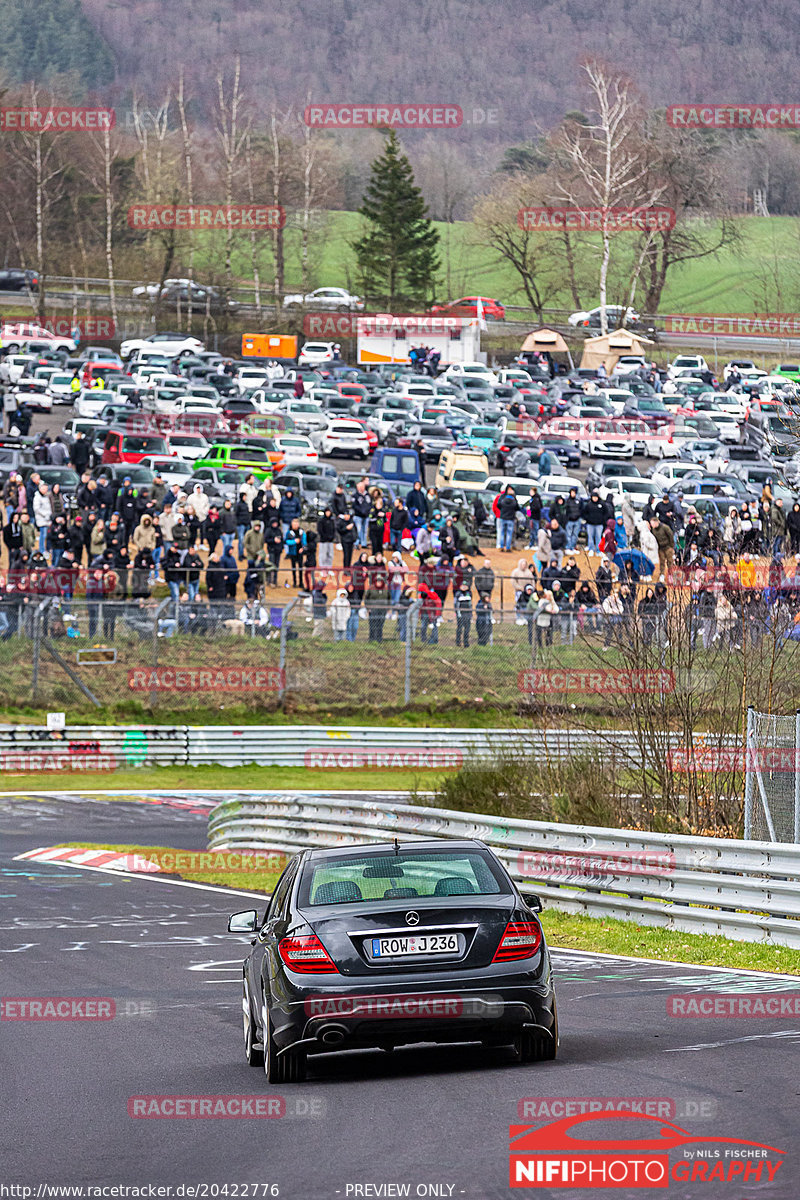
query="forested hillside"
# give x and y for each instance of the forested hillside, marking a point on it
(53, 39)
(512, 55)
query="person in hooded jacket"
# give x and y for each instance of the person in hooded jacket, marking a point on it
(340, 615)
(140, 575)
(354, 598)
(608, 542)
(326, 533)
(12, 536)
(430, 614)
(593, 513)
(212, 528)
(58, 539)
(231, 573)
(483, 619)
(416, 506)
(243, 518)
(339, 505)
(348, 536)
(377, 525)
(289, 509)
(273, 545)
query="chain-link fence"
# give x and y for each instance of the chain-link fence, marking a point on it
(772, 778)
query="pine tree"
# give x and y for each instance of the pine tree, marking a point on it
(397, 255)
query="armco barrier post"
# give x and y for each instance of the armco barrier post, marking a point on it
(156, 615)
(748, 776)
(411, 629)
(282, 653)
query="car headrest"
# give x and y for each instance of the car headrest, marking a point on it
(339, 892)
(453, 885)
(403, 893)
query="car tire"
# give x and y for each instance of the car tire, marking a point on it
(537, 1047)
(343, 308)
(254, 1056)
(285, 1068)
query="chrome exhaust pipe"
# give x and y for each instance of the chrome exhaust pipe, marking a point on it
(332, 1035)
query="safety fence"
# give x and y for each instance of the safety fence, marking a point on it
(669, 667)
(747, 891)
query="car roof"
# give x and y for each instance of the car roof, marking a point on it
(388, 849)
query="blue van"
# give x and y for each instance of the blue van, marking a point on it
(400, 466)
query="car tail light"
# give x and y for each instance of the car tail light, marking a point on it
(306, 955)
(521, 939)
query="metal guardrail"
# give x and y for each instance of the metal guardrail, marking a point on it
(91, 747)
(324, 746)
(348, 746)
(747, 891)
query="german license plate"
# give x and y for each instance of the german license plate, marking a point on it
(416, 943)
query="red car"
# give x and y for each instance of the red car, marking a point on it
(372, 436)
(467, 306)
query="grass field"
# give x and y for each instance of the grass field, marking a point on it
(561, 929)
(231, 778)
(757, 275)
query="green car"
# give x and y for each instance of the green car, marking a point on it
(789, 370)
(243, 458)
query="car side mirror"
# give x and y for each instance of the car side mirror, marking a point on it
(533, 901)
(243, 922)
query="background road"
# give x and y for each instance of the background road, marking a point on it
(420, 1116)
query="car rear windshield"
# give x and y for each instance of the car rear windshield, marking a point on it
(144, 445)
(465, 476)
(406, 875)
(248, 455)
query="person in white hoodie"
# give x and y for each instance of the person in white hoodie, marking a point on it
(42, 514)
(200, 503)
(647, 541)
(339, 612)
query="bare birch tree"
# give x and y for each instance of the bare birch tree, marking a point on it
(232, 134)
(605, 159)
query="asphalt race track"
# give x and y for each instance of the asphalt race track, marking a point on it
(433, 1119)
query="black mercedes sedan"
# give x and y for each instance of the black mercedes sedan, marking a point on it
(393, 944)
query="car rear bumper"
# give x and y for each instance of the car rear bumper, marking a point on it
(322, 1019)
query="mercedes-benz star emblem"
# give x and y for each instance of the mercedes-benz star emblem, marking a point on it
(412, 918)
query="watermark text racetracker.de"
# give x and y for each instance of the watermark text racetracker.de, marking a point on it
(206, 679)
(703, 759)
(392, 115)
(224, 1107)
(786, 325)
(735, 1006)
(596, 220)
(402, 1006)
(622, 681)
(73, 1008)
(665, 1108)
(66, 119)
(733, 116)
(380, 758)
(577, 865)
(247, 217)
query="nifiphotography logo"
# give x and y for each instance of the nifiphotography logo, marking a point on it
(571, 1153)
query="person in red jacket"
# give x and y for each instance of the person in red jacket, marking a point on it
(430, 614)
